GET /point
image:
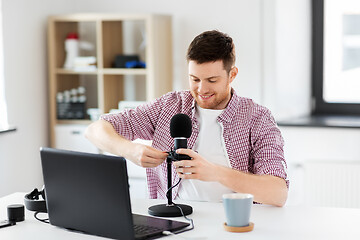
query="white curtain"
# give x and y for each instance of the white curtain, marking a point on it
(3, 110)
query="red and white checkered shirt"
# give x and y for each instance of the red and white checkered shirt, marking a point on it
(252, 139)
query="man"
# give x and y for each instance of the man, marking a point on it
(235, 145)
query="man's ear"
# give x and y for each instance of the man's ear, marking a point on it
(233, 73)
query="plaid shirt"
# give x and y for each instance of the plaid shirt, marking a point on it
(252, 139)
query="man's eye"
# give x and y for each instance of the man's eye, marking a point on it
(196, 80)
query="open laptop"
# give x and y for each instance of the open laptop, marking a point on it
(90, 193)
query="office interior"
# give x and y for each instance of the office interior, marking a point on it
(274, 57)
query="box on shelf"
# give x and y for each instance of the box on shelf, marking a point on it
(70, 110)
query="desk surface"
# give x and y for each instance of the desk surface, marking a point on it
(289, 222)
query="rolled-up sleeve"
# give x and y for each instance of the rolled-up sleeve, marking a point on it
(267, 147)
(136, 123)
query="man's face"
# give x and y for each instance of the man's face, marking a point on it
(210, 84)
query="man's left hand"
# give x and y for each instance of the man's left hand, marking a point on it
(196, 168)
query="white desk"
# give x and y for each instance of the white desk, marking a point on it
(270, 223)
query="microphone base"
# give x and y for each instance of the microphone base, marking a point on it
(164, 210)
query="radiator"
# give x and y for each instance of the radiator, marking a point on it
(332, 184)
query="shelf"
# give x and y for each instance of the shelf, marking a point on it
(67, 71)
(124, 71)
(74, 121)
(89, 17)
(112, 71)
(110, 35)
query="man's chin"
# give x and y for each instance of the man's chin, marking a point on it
(205, 105)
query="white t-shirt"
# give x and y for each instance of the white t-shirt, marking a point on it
(211, 146)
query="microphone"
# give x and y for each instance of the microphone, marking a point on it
(180, 130)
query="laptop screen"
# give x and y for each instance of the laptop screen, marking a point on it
(90, 193)
(87, 192)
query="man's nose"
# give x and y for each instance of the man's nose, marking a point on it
(203, 87)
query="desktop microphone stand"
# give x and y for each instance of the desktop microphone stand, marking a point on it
(170, 209)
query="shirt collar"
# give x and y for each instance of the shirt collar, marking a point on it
(231, 108)
(229, 111)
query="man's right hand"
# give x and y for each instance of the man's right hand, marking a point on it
(102, 134)
(146, 156)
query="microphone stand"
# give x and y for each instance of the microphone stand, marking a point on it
(170, 209)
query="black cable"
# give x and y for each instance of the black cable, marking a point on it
(182, 213)
(46, 220)
(189, 219)
(167, 192)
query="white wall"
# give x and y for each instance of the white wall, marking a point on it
(267, 73)
(326, 147)
(286, 57)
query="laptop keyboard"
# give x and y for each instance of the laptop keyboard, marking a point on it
(146, 230)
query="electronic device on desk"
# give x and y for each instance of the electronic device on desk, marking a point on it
(180, 130)
(90, 193)
(15, 214)
(35, 201)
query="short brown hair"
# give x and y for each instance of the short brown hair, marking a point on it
(211, 46)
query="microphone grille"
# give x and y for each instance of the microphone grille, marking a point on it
(180, 126)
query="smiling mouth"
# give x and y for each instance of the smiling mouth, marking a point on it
(205, 97)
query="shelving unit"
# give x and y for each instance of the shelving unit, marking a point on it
(148, 36)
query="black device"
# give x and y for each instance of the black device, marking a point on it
(35, 201)
(71, 110)
(121, 60)
(7, 223)
(180, 130)
(16, 213)
(90, 193)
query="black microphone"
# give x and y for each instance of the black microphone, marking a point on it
(180, 130)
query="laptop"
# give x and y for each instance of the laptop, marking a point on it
(90, 193)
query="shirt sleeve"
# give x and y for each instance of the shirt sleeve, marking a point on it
(136, 123)
(267, 152)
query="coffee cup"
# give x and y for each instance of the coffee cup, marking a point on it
(237, 208)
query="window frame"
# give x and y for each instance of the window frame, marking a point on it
(320, 107)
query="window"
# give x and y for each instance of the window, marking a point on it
(336, 56)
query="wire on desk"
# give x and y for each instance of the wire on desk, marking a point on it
(182, 213)
(46, 220)
(183, 230)
(189, 219)
(168, 233)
